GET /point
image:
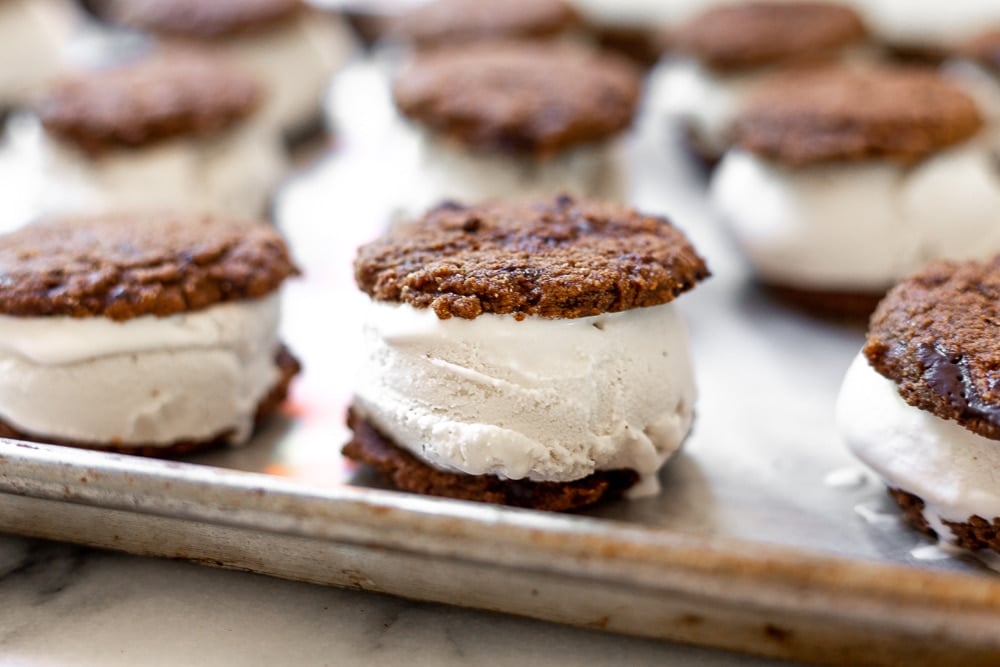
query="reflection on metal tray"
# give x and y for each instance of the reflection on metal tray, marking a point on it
(767, 537)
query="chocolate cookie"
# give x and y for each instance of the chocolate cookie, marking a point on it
(169, 95)
(527, 98)
(442, 22)
(832, 114)
(130, 265)
(561, 259)
(760, 33)
(196, 18)
(974, 534)
(836, 305)
(410, 474)
(936, 336)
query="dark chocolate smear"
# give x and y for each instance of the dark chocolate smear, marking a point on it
(949, 377)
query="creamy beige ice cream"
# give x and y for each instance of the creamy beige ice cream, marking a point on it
(33, 35)
(928, 25)
(234, 173)
(148, 380)
(639, 13)
(948, 466)
(859, 225)
(542, 399)
(444, 171)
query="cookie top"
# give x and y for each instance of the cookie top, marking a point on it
(450, 21)
(199, 19)
(165, 96)
(128, 265)
(760, 33)
(937, 336)
(984, 48)
(833, 113)
(558, 259)
(519, 97)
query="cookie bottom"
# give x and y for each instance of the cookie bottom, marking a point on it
(833, 304)
(973, 534)
(643, 46)
(914, 55)
(408, 473)
(288, 368)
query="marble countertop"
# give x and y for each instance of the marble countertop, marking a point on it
(67, 605)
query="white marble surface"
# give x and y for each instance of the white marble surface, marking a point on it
(66, 605)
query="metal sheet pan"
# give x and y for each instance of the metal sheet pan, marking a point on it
(767, 538)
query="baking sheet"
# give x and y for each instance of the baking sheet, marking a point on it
(757, 542)
(763, 462)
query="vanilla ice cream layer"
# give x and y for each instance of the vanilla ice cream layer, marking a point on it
(859, 225)
(295, 62)
(445, 171)
(919, 23)
(547, 400)
(234, 174)
(32, 34)
(648, 14)
(145, 381)
(951, 468)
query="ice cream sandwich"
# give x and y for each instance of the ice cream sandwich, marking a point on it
(291, 48)
(720, 55)
(516, 119)
(525, 354)
(169, 130)
(146, 333)
(921, 405)
(843, 181)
